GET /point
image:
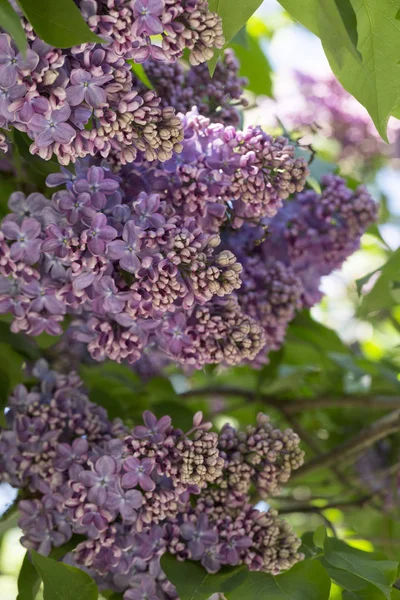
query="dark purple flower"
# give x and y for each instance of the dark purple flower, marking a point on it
(76, 207)
(97, 185)
(147, 208)
(126, 250)
(107, 297)
(86, 87)
(92, 520)
(53, 128)
(173, 332)
(124, 501)
(138, 472)
(100, 480)
(98, 235)
(153, 428)
(67, 455)
(146, 13)
(199, 535)
(230, 550)
(57, 241)
(27, 245)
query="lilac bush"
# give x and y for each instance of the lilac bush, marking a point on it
(136, 494)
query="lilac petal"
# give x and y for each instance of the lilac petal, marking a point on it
(149, 419)
(95, 176)
(134, 498)
(80, 446)
(154, 25)
(96, 246)
(148, 465)
(61, 115)
(129, 234)
(196, 547)
(79, 76)
(8, 75)
(130, 262)
(95, 96)
(88, 478)
(108, 233)
(11, 230)
(63, 133)
(28, 62)
(45, 138)
(146, 482)
(187, 531)
(141, 432)
(75, 94)
(109, 186)
(129, 480)
(31, 228)
(97, 495)
(38, 123)
(116, 250)
(99, 221)
(105, 465)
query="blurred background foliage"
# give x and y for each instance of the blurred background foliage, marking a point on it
(336, 376)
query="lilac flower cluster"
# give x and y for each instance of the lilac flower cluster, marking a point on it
(336, 115)
(84, 100)
(219, 97)
(284, 259)
(135, 495)
(134, 256)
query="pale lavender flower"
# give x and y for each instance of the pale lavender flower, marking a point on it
(199, 535)
(97, 185)
(86, 87)
(145, 591)
(27, 245)
(125, 501)
(107, 297)
(53, 128)
(126, 250)
(147, 13)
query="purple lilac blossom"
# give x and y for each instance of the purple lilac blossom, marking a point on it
(70, 462)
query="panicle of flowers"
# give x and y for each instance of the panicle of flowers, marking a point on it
(284, 259)
(223, 175)
(219, 97)
(123, 264)
(84, 101)
(133, 495)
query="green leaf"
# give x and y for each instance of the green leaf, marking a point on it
(374, 81)
(308, 580)
(241, 38)
(194, 583)
(58, 22)
(255, 66)
(28, 580)
(9, 519)
(337, 25)
(62, 582)
(234, 14)
(141, 74)
(355, 570)
(383, 293)
(10, 21)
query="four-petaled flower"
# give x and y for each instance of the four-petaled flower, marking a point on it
(199, 535)
(108, 298)
(124, 501)
(153, 428)
(86, 87)
(11, 63)
(98, 235)
(100, 480)
(126, 250)
(147, 13)
(97, 185)
(53, 128)
(27, 245)
(138, 472)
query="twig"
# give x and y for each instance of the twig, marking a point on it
(364, 439)
(294, 406)
(310, 508)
